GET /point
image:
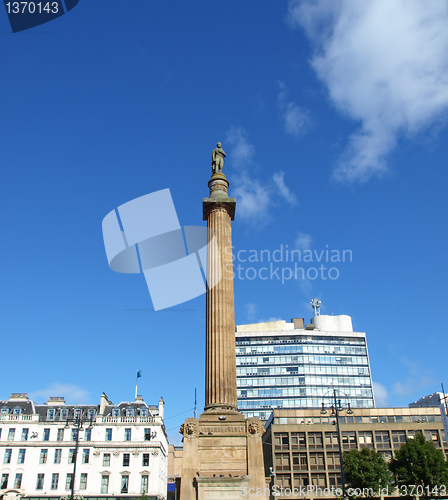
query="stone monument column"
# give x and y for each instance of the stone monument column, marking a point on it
(222, 451)
(220, 371)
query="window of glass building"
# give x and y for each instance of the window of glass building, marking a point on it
(54, 481)
(104, 484)
(69, 481)
(85, 456)
(365, 439)
(83, 481)
(315, 440)
(382, 439)
(124, 484)
(40, 482)
(299, 461)
(398, 438)
(4, 481)
(298, 441)
(7, 457)
(317, 461)
(281, 440)
(282, 462)
(21, 456)
(43, 456)
(144, 484)
(18, 481)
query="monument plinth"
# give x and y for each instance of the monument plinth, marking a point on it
(222, 452)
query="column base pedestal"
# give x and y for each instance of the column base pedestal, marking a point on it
(222, 457)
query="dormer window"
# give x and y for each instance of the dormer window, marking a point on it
(64, 414)
(143, 412)
(50, 413)
(129, 411)
(77, 413)
(17, 410)
(5, 410)
(115, 412)
(91, 414)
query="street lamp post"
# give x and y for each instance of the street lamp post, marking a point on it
(336, 407)
(77, 424)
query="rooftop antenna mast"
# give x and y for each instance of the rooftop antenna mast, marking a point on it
(315, 304)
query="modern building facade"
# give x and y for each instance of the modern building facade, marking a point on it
(435, 399)
(301, 446)
(293, 365)
(120, 451)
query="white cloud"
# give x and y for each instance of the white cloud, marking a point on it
(251, 311)
(418, 379)
(270, 320)
(283, 189)
(385, 66)
(295, 118)
(72, 393)
(242, 151)
(303, 241)
(255, 197)
(381, 394)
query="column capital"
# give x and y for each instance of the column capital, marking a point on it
(211, 204)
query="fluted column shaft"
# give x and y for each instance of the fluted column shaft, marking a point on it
(220, 383)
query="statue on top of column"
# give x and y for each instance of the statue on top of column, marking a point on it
(218, 156)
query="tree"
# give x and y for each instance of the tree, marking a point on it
(419, 462)
(366, 468)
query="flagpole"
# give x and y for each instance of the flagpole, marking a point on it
(139, 374)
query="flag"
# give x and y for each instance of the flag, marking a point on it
(139, 373)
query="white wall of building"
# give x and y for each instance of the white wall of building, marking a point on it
(147, 457)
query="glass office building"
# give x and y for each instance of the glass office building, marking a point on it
(293, 365)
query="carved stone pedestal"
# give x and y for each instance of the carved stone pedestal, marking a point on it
(222, 456)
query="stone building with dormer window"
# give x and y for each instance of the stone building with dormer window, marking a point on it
(121, 451)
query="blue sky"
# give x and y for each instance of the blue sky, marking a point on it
(333, 117)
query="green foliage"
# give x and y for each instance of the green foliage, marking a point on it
(419, 462)
(366, 468)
